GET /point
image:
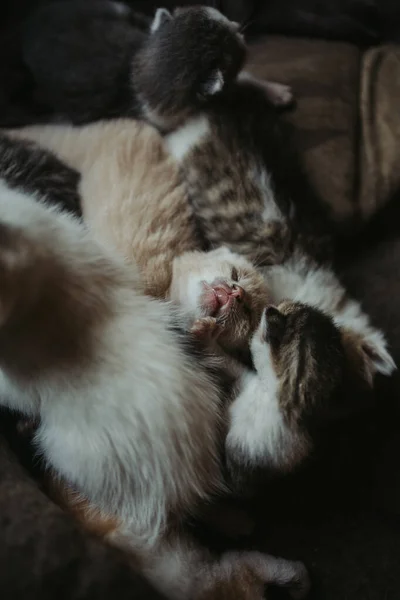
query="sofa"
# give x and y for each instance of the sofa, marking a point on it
(341, 512)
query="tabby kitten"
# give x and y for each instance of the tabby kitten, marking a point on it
(303, 379)
(245, 183)
(133, 200)
(126, 416)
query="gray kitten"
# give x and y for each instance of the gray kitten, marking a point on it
(97, 60)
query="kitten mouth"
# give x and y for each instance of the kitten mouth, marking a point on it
(216, 299)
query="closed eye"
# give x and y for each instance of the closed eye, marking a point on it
(234, 274)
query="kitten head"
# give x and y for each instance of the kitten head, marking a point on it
(223, 285)
(313, 372)
(304, 348)
(190, 56)
(299, 360)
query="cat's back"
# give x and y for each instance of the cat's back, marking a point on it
(134, 198)
(228, 157)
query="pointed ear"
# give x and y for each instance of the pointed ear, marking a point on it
(214, 83)
(377, 356)
(368, 355)
(162, 16)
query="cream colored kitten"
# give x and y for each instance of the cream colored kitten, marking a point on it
(126, 415)
(134, 201)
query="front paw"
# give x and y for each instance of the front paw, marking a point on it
(283, 95)
(264, 570)
(206, 329)
(279, 94)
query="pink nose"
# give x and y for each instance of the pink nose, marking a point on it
(237, 292)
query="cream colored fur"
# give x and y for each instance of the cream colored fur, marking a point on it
(132, 196)
(133, 200)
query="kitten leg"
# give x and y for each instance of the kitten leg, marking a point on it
(206, 329)
(278, 94)
(182, 569)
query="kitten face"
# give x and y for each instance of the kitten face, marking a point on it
(306, 351)
(308, 372)
(299, 361)
(223, 285)
(189, 57)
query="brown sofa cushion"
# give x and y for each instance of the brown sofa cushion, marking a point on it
(380, 128)
(324, 77)
(346, 120)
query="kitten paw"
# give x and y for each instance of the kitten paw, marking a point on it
(264, 570)
(300, 587)
(206, 329)
(279, 94)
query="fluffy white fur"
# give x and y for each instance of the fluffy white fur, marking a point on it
(161, 15)
(126, 417)
(189, 136)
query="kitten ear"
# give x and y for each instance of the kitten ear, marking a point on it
(368, 354)
(214, 83)
(160, 18)
(377, 357)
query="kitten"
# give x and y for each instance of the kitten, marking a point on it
(133, 199)
(127, 417)
(315, 357)
(245, 182)
(303, 380)
(88, 61)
